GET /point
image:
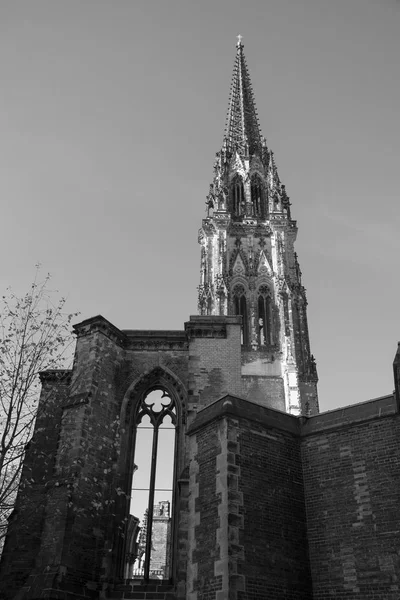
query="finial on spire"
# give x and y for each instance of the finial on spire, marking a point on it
(242, 129)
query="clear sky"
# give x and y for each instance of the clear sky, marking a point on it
(110, 117)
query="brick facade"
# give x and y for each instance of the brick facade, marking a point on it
(351, 474)
(266, 504)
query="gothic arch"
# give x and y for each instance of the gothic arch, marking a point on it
(265, 288)
(265, 315)
(239, 302)
(236, 167)
(159, 378)
(237, 195)
(257, 195)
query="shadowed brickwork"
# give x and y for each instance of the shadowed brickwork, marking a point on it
(351, 475)
(263, 512)
(25, 529)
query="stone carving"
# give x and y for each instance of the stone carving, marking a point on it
(238, 267)
(264, 268)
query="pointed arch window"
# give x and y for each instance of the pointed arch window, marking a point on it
(256, 196)
(240, 308)
(286, 313)
(209, 304)
(237, 195)
(221, 302)
(149, 529)
(265, 328)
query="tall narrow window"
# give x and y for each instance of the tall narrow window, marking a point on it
(286, 313)
(149, 543)
(240, 308)
(237, 191)
(221, 302)
(264, 317)
(256, 196)
(209, 305)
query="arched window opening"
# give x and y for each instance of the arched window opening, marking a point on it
(256, 196)
(237, 192)
(286, 313)
(240, 308)
(221, 303)
(209, 305)
(149, 539)
(264, 317)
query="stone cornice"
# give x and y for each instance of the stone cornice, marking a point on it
(133, 339)
(239, 229)
(209, 326)
(100, 324)
(154, 340)
(299, 426)
(245, 409)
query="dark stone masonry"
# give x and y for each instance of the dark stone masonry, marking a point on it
(195, 464)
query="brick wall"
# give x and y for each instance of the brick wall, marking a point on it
(250, 496)
(268, 391)
(26, 523)
(205, 521)
(351, 465)
(214, 358)
(247, 476)
(273, 537)
(74, 541)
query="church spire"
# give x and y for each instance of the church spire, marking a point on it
(242, 131)
(248, 264)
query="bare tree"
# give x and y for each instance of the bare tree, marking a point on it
(34, 336)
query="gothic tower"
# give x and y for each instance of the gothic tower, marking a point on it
(248, 263)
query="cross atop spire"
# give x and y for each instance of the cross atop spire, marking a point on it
(242, 132)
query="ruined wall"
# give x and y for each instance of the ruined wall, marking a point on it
(248, 505)
(203, 582)
(273, 534)
(112, 362)
(26, 523)
(214, 358)
(79, 498)
(73, 537)
(351, 465)
(243, 488)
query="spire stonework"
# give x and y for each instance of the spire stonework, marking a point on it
(248, 263)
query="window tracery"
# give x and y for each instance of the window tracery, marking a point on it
(256, 189)
(285, 300)
(237, 194)
(265, 326)
(240, 308)
(149, 554)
